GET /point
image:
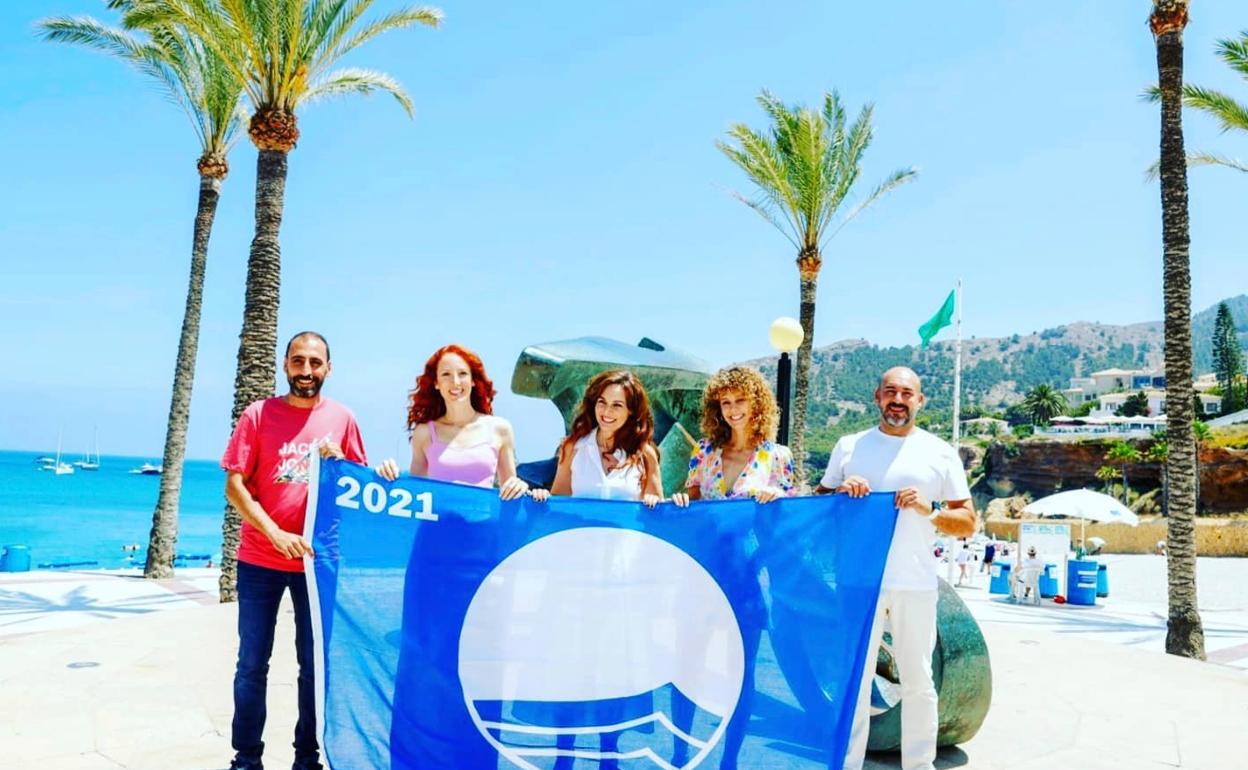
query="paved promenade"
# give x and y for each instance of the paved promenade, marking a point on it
(101, 672)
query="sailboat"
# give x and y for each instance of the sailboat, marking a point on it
(87, 464)
(60, 468)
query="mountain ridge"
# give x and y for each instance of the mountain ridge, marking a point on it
(996, 371)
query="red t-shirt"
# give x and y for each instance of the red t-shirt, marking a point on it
(272, 446)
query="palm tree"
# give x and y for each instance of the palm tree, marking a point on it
(1107, 473)
(283, 53)
(1044, 403)
(196, 79)
(804, 167)
(1184, 634)
(1157, 452)
(1201, 432)
(1123, 454)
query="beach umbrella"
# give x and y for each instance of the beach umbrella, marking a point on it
(1083, 504)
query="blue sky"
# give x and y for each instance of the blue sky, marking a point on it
(560, 179)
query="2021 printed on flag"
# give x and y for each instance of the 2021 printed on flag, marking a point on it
(456, 631)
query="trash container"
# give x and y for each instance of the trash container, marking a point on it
(1048, 582)
(1000, 582)
(1102, 581)
(1081, 582)
(16, 558)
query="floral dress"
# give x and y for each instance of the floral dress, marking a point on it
(771, 466)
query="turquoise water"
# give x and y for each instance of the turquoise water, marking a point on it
(90, 515)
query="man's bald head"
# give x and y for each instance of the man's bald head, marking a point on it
(899, 398)
(900, 375)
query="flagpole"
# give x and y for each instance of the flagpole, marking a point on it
(957, 366)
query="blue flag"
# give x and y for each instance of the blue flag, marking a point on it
(458, 632)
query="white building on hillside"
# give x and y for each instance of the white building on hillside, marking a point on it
(1111, 388)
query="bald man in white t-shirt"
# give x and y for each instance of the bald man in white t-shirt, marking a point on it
(927, 477)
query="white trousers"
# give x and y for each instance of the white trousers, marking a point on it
(912, 621)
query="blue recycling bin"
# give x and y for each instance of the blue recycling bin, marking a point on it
(1000, 582)
(1102, 581)
(16, 558)
(1081, 582)
(1048, 582)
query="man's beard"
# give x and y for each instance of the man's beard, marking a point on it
(306, 391)
(894, 421)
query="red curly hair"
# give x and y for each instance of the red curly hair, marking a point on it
(425, 403)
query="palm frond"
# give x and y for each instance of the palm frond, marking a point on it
(189, 75)
(1235, 53)
(894, 180)
(1195, 160)
(764, 163)
(357, 81)
(1208, 159)
(407, 17)
(1230, 114)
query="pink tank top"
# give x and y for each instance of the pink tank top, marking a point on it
(475, 465)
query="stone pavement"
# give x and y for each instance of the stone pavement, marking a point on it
(151, 689)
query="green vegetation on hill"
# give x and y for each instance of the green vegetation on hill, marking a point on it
(996, 372)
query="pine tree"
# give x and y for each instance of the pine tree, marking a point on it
(1228, 359)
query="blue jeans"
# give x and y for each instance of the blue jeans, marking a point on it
(259, 596)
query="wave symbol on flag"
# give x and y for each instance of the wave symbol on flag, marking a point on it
(601, 644)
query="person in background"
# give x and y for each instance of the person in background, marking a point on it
(990, 553)
(963, 560)
(267, 464)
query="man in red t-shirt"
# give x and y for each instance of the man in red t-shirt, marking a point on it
(266, 464)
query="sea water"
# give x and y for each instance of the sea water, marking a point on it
(92, 516)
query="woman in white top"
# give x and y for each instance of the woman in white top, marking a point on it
(609, 455)
(610, 452)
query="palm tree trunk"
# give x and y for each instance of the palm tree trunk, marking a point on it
(808, 271)
(1185, 635)
(256, 377)
(162, 542)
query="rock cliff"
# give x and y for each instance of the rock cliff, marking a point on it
(1042, 467)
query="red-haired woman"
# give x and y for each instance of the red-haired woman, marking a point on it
(455, 435)
(610, 453)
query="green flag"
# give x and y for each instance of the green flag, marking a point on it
(943, 318)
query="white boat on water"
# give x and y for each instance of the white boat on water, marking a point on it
(86, 463)
(58, 467)
(147, 469)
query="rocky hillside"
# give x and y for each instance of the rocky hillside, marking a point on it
(1041, 468)
(996, 372)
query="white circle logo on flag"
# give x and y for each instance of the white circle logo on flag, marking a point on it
(601, 643)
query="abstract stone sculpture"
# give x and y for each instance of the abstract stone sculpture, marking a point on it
(559, 371)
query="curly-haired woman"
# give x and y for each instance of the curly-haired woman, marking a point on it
(610, 452)
(738, 455)
(455, 435)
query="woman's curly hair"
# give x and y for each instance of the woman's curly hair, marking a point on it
(748, 381)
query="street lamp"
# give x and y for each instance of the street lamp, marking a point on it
(786, 336)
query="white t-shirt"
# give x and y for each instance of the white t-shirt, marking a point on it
(890, 463)
(964, 556)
